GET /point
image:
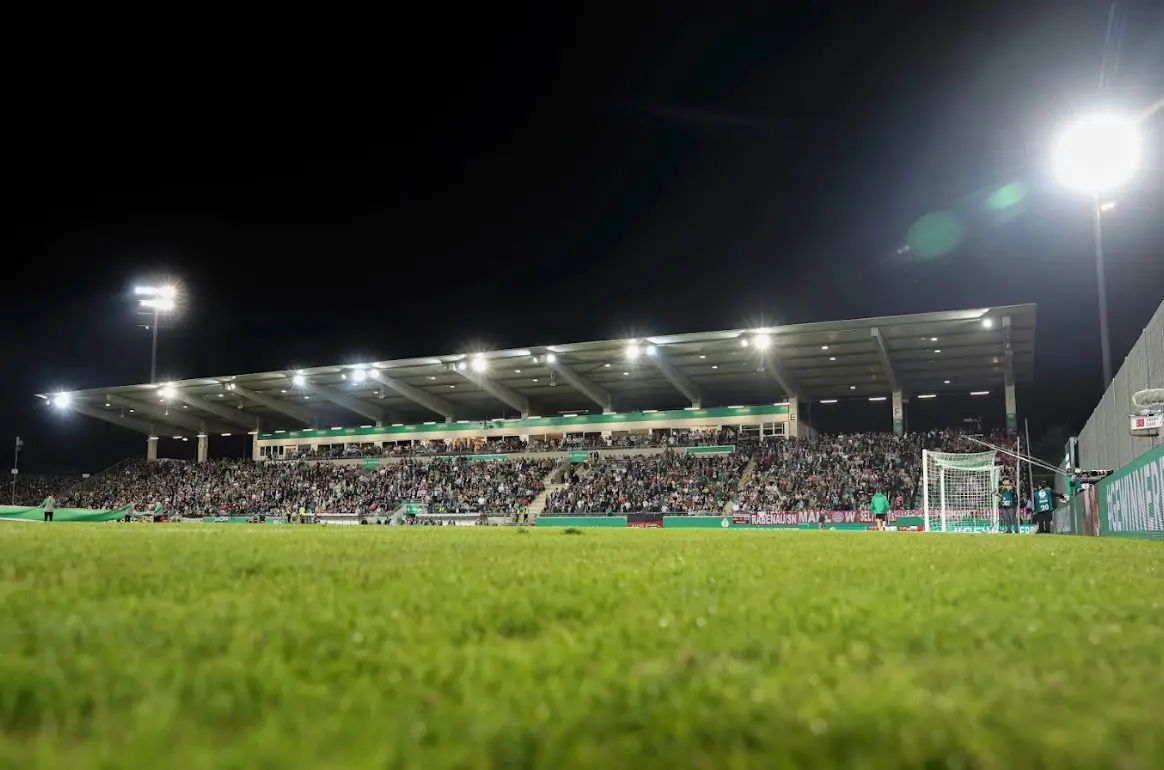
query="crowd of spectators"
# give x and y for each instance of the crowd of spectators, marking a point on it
(32, 489)
(679, 437)
(242, 487)
(824, 473)
(668, 482)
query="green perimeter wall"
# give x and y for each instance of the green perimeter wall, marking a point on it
(1128, 503)
(676, 522)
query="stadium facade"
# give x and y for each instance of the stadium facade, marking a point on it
(755, 379)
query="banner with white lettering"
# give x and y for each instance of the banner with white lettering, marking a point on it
(798, 518)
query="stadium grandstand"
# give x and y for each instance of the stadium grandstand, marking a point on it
(685, 423)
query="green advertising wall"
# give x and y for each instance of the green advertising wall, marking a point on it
(581, 521)
(1131, 500)
(1128, 503)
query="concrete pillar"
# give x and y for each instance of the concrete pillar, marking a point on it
(1011, 410)
(203, 447)
(899, 402)
(255, 440)
(151, 449)
(793, 417)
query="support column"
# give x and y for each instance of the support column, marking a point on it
(151, 449)
(1011, 410)
(255, 440)
(793, 418)
(899, 423)
(203, 447)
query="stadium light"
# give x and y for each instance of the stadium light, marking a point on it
(479, 364)
(360, 374)
(62, 400)
(298, 380)
(762, 341)
(551, 358)
(1096, 155)
(987, 323)
(167, 391)
(159, 299)
(651, 350)
(632, 351)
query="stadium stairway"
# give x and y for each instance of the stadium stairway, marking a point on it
(539, 503)
(745, 478)
(553, 481)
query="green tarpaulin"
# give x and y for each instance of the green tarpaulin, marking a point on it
(61, 514)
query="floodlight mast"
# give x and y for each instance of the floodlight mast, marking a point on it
(159, 299)
(1097, 155)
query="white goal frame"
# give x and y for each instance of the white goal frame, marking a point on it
(942, 515)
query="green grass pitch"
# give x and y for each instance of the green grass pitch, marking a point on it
(147, 647)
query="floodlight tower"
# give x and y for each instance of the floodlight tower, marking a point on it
(159, 299)
(1095, 156)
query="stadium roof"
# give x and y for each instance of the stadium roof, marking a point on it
(955, 351)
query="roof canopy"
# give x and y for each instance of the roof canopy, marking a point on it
(950, 351)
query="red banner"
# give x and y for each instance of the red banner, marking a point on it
(796, 518)
(645, 524)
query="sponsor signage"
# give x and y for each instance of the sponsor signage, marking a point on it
(1130, 502)
(797, 518)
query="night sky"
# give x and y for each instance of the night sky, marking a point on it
(420, 182)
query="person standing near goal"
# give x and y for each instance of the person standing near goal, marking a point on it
(1008, 507)
(880, 508)
(50, 507)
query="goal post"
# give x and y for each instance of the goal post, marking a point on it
(960, 491)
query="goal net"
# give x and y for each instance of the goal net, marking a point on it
(960, 491)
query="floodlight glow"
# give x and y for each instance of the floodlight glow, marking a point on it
(987, 323)
(651, 350)
(298, 380)
(632, 351)
(359, 375)
(762, 341)
(551, 358)
(167, 392)
(161, 304)
(478, 363)
(1099, 153)
(62, 400)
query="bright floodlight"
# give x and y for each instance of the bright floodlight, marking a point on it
(61, 400)
(298, 379)
(551, 358)
(762, 341)
(359, 375)
(1098, 154)
(478, 363)
(159, 304)
(632, 351)
(987, 323)
(167, 392)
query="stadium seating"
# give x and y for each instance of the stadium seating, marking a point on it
(242, 487)
(675, 438)
(668, 482)
(832, 473)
